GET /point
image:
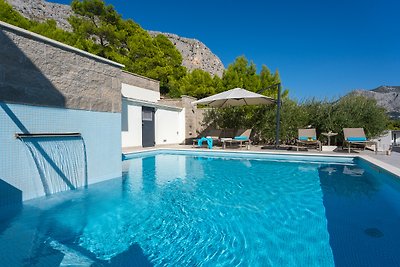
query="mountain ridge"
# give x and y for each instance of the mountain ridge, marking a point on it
(386, 96)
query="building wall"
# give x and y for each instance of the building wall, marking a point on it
(131, 125)
(102, 142)
(138, 93)
(194, 124)
(384, 141)
(396, 137)
(170, 126)
(49, 87)
(140, 81)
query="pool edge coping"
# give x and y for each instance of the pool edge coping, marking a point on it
(376, 162)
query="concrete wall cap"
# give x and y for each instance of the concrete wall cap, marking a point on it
(151, 104)
(140, 76)
(56, 43)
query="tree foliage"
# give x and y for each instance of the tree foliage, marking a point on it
(9, 15)
(126, 42)
(243, 74)
(47, 28)
(394, 125)
(198, 83)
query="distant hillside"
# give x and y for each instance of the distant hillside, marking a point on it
(196, 55)
(386, 96)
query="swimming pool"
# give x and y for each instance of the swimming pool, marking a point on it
(175, 208)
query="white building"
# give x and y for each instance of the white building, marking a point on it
(145, 122)
(396, 137)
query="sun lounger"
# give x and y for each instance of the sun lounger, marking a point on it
(308, 137)
(356, 136)
(210, 137)
(241, 137)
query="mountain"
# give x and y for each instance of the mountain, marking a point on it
(195, 54)
(386, 96)
(40, 10)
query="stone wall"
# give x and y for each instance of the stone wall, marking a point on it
(140, 81)
(36, 70)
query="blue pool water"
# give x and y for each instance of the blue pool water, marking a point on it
(193, 209)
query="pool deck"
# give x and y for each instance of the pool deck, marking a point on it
(390, 163)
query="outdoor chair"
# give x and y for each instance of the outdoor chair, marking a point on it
(242, 136)
(211, 134)
(356, 137)
(307, 138)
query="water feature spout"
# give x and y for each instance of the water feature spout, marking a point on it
(60, 159)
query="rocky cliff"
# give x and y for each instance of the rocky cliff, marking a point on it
(196, 55)
(386, 96)
(41, 10)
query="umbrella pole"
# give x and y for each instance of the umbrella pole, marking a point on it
(278, 117)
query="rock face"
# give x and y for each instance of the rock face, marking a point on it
(386, 96)
(41, 10)
(195, 54)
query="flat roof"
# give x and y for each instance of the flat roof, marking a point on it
(151, 104)
(57, 43)
(140, 76)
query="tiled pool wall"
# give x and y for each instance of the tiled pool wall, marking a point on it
(243, 155)
(49, 87)
(100, 132)
(366, 162)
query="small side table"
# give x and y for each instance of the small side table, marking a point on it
(329, 136)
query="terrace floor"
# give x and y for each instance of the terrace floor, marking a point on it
(389, 162)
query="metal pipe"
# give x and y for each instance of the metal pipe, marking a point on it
(278, 117)
(32, 135)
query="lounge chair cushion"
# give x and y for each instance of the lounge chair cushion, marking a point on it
(241, 138)
(305, 138)
(356, 139)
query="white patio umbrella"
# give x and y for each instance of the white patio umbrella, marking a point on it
(242, 97)
(235, 97)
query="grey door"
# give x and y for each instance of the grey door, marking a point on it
(148, 135)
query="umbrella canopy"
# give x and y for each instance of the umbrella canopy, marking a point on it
(235, 97)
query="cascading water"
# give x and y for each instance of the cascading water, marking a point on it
(60, 161)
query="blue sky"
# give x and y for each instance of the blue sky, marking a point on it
(322, 49)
